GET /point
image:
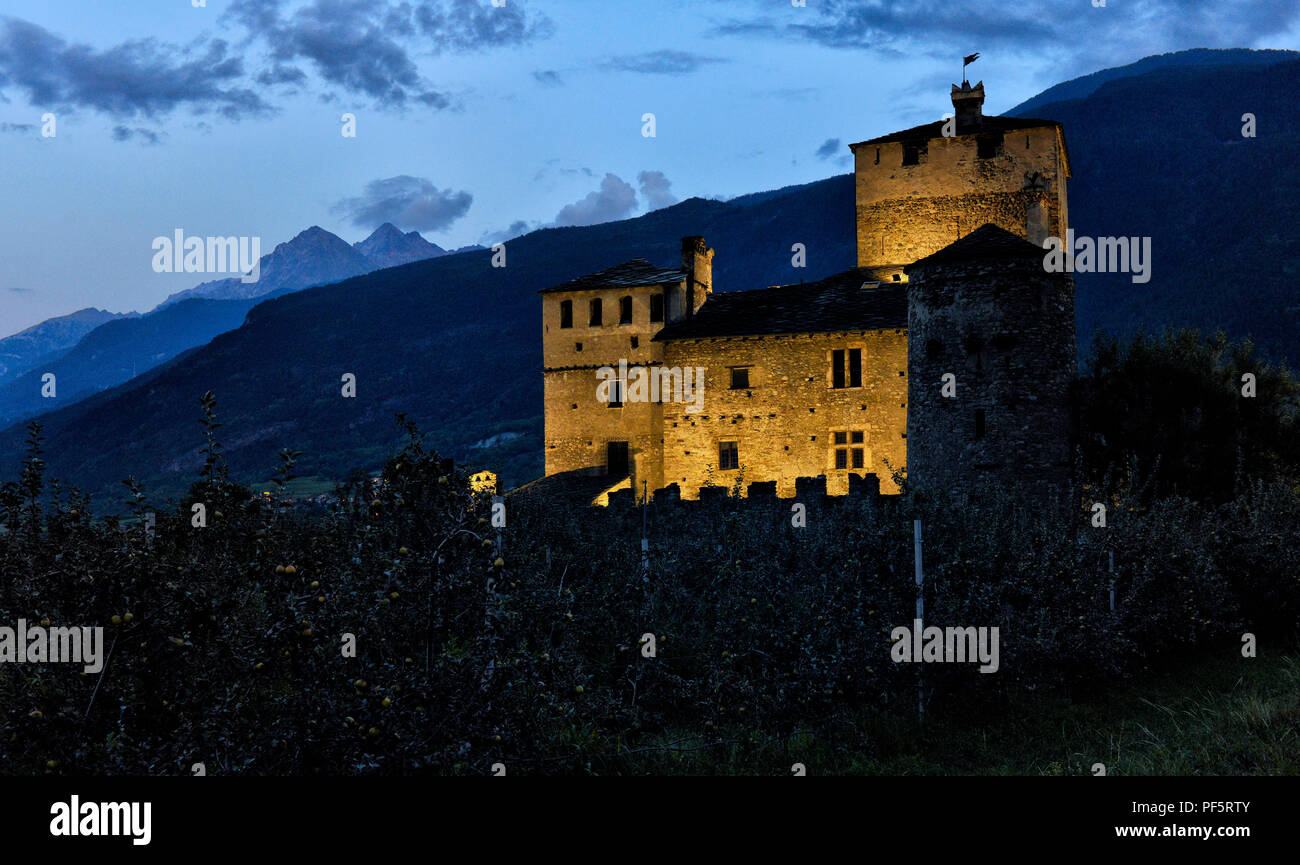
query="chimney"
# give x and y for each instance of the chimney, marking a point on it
(968, 106)
(697, 262)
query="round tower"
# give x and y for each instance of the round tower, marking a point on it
(991, 356)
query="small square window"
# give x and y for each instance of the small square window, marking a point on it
(739, 377)
(841, 438)
(857, 437)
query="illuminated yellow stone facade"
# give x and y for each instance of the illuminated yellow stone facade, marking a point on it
(797, 381)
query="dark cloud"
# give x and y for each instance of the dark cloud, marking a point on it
(655, 190)
(1088, 35)
(410, 203)
(830, 147)
(366, 46)
(17, 127)
(615, 199)
(515, 229)
(281, 75)
(665, 62)
(548, 77)
(147, 136)
(138, 77)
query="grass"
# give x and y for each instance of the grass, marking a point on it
(1217, 715)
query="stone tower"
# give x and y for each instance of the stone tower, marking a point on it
(920, 189)
(991, 354)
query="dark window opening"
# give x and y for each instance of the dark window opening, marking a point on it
(980, 427)
(841, 458)
(987, 146)
(857, 458)
(625, 311)
(595, 319)
(728, 455)
(635, 342)
(739, 377)
(855, 367)
(616, 462)
(841, 438)
(856, 437)
(911, 154)
(577, 346)
(846, 375)
(656, 307)
(566, 313)
(837, 368)
(877, 155)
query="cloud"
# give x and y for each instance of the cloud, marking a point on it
(17, 127)
(515, 229)
(548, 78)
(665, 62)
(1092, 35)
(615, 199)
(410, 203)
(137, 77)
(366, 46)
(281, 75)
(830, 147)
(18, 289)
(148, 136)
(654, 188)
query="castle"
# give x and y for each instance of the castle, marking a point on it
(946, 354)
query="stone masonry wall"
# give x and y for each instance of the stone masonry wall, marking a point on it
(784, 422)
(906, 212)
(1005, 330)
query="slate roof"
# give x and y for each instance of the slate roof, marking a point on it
(986, 243)
(632, 273)
(836, 303)
(989, 123)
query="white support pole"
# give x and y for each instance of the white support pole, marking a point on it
(920, 614)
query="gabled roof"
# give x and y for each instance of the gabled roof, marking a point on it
(986, 243)
(836, 303)
(632, 273)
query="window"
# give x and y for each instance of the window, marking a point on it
(625, 311)
(595, 320)
(616, 394)
(616, 462)
(566, 313)
(846, 368)
(987, 146)
(911, 154)
(728, 455)
(656, 307)
(877, 155)
(577, 346)
(739, 377)
(635, 342)
(849, 457)
(980, 427)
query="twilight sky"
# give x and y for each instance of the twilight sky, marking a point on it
(476, 123)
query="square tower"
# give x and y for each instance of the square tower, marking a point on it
(923, 188)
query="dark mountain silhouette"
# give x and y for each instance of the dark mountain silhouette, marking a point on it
(108, 357)
(455, 342)
(43, 342)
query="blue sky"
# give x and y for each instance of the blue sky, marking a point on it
(475, 122)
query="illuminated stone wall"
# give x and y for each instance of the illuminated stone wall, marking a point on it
(906, 212)
(784, 422)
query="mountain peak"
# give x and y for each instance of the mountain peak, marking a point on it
(387, 246)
